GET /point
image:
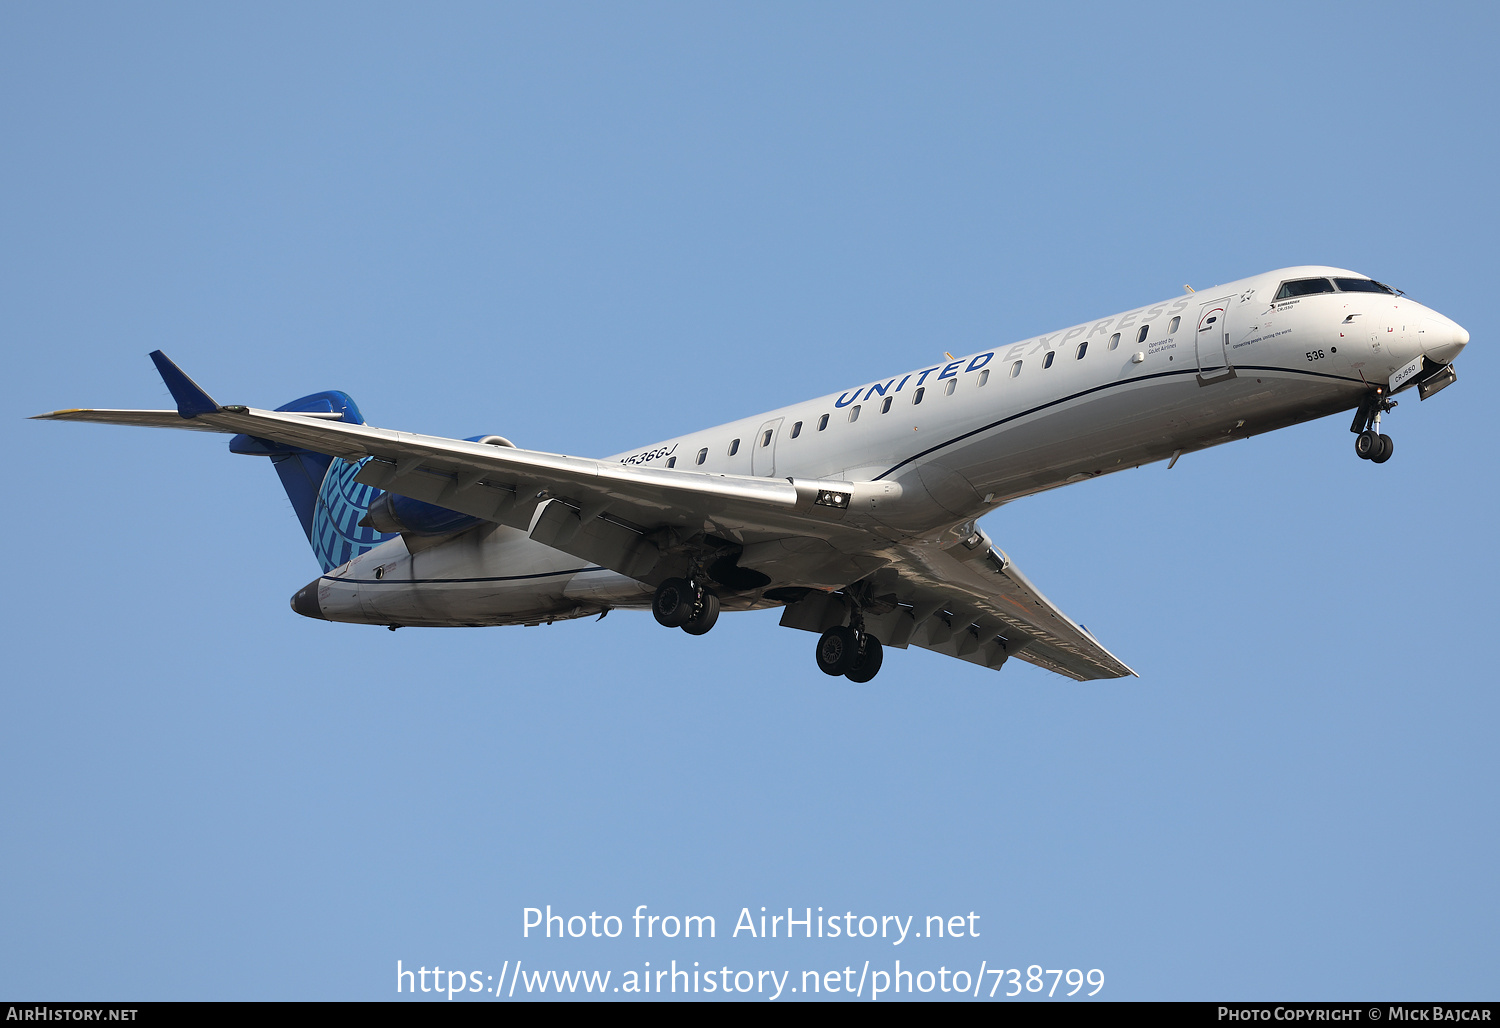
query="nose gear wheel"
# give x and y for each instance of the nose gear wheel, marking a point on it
(1369, 444)
(1372, 446)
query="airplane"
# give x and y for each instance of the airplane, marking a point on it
(854, 512)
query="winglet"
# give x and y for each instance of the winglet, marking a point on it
(190, 397)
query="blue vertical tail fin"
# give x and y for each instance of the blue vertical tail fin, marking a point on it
(327, 499)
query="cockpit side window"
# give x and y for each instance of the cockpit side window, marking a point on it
(1303, 287)
(1363, 285)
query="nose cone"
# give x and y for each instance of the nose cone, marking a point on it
(1444, 339)
(305, 602)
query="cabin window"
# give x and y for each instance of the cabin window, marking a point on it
(703, 455)
(854, 412)
(885, 404)
(1047, 360)
(734, 447)
(765, 438)
(1303, 287)
(1114, 340)
(1172, 326)
(796, 430)
(823, 422)
(916, 397)
(984, 376)
(1015, 369)
(1083, 348)
(1140, 336)
(671, 462)
(952, 384)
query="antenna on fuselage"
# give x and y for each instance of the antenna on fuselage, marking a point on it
(1188, 288)
(948, 355)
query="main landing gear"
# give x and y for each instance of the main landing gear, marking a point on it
(1369, 444)
(850, 651)
(680, 603)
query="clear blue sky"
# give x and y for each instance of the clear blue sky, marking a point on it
(588, 227)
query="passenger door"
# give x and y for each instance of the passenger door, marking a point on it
(763, 448)
(1212, 339)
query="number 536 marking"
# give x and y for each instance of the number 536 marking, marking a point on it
(1315, 355)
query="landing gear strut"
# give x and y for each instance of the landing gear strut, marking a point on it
(867, 665)
(1369, 444)
(684, 604)
(850, 651)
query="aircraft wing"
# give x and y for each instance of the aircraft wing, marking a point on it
(971, 604)
(966, 600)
(620, 516)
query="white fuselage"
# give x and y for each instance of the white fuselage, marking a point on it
(963, 436)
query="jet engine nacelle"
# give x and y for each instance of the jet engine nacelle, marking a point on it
(392, 512)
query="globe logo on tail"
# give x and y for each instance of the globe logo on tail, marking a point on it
(337, 536)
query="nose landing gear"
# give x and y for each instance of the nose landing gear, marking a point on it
(684, 604)
(1369, 444)
(850, 651)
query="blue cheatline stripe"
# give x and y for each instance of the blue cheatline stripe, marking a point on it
(1097, 389)
(457, 581)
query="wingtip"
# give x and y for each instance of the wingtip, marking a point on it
(191, 398)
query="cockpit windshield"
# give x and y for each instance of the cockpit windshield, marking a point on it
(1303, 287)
(1363, 285)
(1307, 286)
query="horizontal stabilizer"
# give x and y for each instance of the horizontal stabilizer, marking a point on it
(138, 418)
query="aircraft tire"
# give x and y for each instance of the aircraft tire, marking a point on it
(673, 603)
(1387, 447)
(700, 622)
(838, 648)
(1367, 445)
(867, 666)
